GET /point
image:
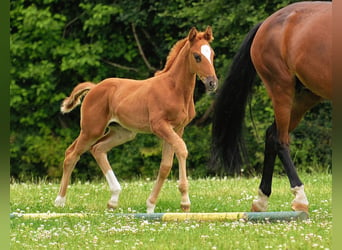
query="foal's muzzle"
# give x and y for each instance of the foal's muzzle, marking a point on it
(210, 83)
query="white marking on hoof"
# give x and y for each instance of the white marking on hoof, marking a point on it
(60, 201)
(261, 203)
(115, 189)
(112, 204)
(300, 202)
(150, 207)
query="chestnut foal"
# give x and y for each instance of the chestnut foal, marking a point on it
(115, 110)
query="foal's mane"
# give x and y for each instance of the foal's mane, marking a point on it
(172, 55)
(174, 52)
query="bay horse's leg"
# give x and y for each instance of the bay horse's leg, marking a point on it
(164, 170)
(265, 188)
(72, 155)
(302, 102)
(163, 130)
(114, 137)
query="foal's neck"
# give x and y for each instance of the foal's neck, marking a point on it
(180, 71)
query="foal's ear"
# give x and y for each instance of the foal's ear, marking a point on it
(208, 34)
(192, 34)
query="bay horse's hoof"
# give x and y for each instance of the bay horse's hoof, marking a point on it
(258, 207)
(300, 207)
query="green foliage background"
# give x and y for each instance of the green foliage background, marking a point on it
(56, 44)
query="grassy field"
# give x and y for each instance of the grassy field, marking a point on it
(108, 231)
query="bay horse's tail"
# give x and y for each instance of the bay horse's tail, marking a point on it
(75, 97)
(227, 149)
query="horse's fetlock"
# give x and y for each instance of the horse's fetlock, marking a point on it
(60, 201)
(150, 206)
(300, 196)
(183, 187)
(261, 203)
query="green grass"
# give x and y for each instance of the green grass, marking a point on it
(106, 231)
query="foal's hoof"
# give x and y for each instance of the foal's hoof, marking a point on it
(185, 207)
(150, 207)
(300, 207)
(112, 205)
(60, 201)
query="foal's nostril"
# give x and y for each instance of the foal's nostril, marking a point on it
(210, 82)
(211, 85)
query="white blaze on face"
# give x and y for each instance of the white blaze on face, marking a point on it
(206, 51)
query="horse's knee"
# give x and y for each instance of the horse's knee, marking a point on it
(271, 136)
(180, 148)
(185, 153)
(164, 171)
(273, 142)
(69, 161)
(182, 153)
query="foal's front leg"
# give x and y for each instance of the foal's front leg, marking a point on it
(164, 170)
(182, 155)
(164, 131)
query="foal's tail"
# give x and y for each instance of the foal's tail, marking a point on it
(74, 99)
(227, 149)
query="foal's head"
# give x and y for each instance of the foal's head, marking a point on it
(202, 57)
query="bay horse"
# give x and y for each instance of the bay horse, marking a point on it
(115, 110)
(291, 52)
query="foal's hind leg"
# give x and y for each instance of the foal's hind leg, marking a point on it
(116, 136)
(72, 155)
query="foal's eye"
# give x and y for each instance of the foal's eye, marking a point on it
(197, 57)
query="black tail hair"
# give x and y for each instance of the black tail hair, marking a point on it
(227, 149)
